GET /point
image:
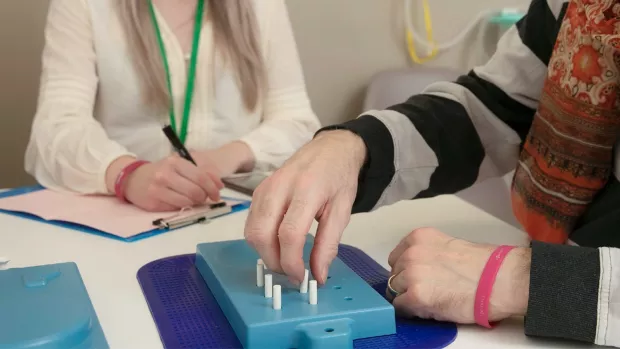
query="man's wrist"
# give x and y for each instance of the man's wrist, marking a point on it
(351, 142)
(511, 290)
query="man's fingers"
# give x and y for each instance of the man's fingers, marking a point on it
(414, 256)
(399, 283)
(420, 236)
(332, 223)
(397, 251)
(399, 266)
(295, 225)
(409, 302)
(407, 306)
(261, 227)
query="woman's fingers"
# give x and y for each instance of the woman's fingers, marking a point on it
(173, 199)
(205, 186)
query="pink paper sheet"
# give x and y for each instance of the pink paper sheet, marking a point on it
(104, 213)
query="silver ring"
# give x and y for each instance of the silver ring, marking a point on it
(392, 291)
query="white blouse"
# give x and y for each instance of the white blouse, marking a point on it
(90, 110)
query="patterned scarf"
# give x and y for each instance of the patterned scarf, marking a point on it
(567, 156)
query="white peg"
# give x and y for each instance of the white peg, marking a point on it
(313, 292)
(277, 297)
(304, 284)
(268, 287)
(260, 274)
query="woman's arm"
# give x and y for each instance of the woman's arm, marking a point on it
(288, 120)
(68, 149)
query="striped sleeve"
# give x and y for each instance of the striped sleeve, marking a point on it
(472, 127)
(457, 133)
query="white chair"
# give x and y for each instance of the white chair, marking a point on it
(396, 86)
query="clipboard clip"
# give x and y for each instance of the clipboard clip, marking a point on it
(179, 220)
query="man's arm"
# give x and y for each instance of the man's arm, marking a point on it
(457, 133)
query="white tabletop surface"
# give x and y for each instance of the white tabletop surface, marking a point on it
(109, 267)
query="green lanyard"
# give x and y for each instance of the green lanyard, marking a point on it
(191, 76)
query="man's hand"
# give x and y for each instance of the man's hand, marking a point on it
(318, 182)
(436, 277)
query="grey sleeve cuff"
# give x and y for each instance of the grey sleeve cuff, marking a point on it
(564, 292)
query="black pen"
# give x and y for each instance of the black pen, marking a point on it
(176, 143)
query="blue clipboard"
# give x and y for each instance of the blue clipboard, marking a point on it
(242, 205)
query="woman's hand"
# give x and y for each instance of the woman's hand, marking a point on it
(436, 277)
(231, 158)
(171, 184)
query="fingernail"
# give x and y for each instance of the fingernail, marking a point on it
(324, 272)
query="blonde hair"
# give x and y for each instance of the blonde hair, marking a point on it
(236, 37)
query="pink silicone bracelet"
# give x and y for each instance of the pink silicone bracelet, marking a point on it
(485, 285)
(119, 188)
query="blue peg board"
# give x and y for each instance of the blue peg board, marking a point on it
(347, 308)
(188, 316)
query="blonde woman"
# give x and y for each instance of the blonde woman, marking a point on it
(225, 75)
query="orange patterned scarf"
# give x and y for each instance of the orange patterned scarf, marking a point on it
(568, 154)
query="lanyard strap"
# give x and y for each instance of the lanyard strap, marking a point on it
(191, 75)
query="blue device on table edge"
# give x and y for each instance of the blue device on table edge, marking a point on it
(47, 307)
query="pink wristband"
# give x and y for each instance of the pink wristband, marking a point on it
(485, 285)
(119, 188)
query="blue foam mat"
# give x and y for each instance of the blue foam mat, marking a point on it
(188, 316)
(243, 205)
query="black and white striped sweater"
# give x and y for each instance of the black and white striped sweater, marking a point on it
(455, 134)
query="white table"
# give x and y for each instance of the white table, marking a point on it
(109, 267)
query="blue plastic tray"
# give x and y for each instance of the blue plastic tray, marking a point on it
(47, 307)
(188, 316)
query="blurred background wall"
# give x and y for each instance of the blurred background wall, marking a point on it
(343, 44)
